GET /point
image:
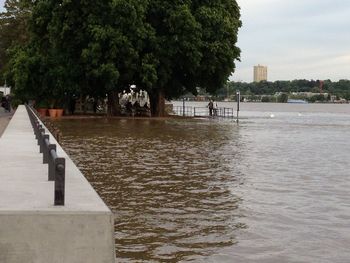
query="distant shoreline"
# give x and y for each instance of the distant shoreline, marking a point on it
(348, 102)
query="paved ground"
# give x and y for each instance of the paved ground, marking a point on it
(22, 167)
(4, 120)
(31, 227)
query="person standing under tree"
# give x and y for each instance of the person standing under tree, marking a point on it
(210, 106)
(215, 108)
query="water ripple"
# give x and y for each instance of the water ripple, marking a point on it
(169, 185)
(266, 190)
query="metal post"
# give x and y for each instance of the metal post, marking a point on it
(43, 147)
(56, 165)
(40, 138)
(46, 149)
(51, 157)
(238, 96)
(35, 127)
(183, 106)
(39, 134)
(60, 167)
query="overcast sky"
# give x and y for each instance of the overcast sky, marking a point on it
(295, 39)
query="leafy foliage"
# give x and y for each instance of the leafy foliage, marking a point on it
(13, 29)
(94, 48)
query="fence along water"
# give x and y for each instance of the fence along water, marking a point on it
(190, 111)
(56, 165)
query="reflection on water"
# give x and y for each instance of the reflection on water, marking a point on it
(266, 190)
(170, 183)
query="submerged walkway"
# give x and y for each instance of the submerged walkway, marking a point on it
(32, 229)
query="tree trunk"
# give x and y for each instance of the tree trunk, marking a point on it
(157, 103)
(113, 107)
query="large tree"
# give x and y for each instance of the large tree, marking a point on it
(195, 46)
(94, 45)
(13, 28)
(166, 47)
(114, 51)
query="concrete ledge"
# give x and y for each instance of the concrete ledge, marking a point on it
(32, 229)
(55, 238)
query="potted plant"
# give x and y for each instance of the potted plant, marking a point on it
(56, 108)
(59, 112)
(41, 107)
(53, 108)
(59, 107)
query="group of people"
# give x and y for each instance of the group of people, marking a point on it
(5, 103)
(134, 102)
(213, 108)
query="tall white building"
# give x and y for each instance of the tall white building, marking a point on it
(260, 73)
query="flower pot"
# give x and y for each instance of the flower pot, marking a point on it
(42, 111)
(59, 113)
(53, 113)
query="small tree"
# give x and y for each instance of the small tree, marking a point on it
(283, 98)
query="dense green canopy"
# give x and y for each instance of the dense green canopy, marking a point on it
(13, 29)
(102, 47)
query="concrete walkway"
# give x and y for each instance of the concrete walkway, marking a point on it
(32, 229)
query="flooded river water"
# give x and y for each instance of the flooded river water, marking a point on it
(273, 188)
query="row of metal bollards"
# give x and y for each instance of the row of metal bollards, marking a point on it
(56, 165)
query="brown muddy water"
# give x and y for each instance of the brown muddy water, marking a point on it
(272, 189)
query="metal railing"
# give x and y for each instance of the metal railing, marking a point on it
(56, 165)
(183, 111)
(225, 112)
(189, 111)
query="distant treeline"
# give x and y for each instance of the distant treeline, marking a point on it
(341, 89)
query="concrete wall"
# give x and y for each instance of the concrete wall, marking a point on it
(55, 238)
(32, 229)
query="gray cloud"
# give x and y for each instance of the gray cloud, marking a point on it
(295, 39)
